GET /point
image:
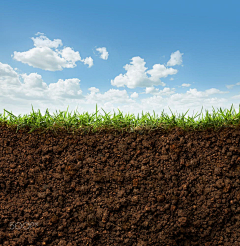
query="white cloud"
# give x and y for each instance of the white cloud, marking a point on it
(176, 59)
(33, 81)
(160, 71)
(137, 77)
(68, 88)
(134, 95)
(43, 41)
(231, 86)
(104, 53)
(8, 77)
(88, 61)
(33, 86)
(43, 57)
(6, 70)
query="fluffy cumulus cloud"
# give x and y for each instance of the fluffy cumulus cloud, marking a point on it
(43, 41)
(33, 81)
(33, 86)
(136, 75)
(104, 53)
(44, 57)
(176, 59)
(8, 77)
(68, 88)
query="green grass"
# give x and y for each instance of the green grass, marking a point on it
(64, 119)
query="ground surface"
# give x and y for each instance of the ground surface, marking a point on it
(108, 188)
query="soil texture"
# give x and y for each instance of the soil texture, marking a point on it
(120, 187)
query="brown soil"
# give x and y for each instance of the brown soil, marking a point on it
(148, 187)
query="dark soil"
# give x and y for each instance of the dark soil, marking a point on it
(148, 187)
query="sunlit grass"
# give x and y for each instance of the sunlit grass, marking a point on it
(64, 119)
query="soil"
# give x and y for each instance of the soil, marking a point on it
(110, 187)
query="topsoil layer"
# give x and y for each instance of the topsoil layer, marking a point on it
(147, 187)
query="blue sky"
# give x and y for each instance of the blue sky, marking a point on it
(129, 55)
